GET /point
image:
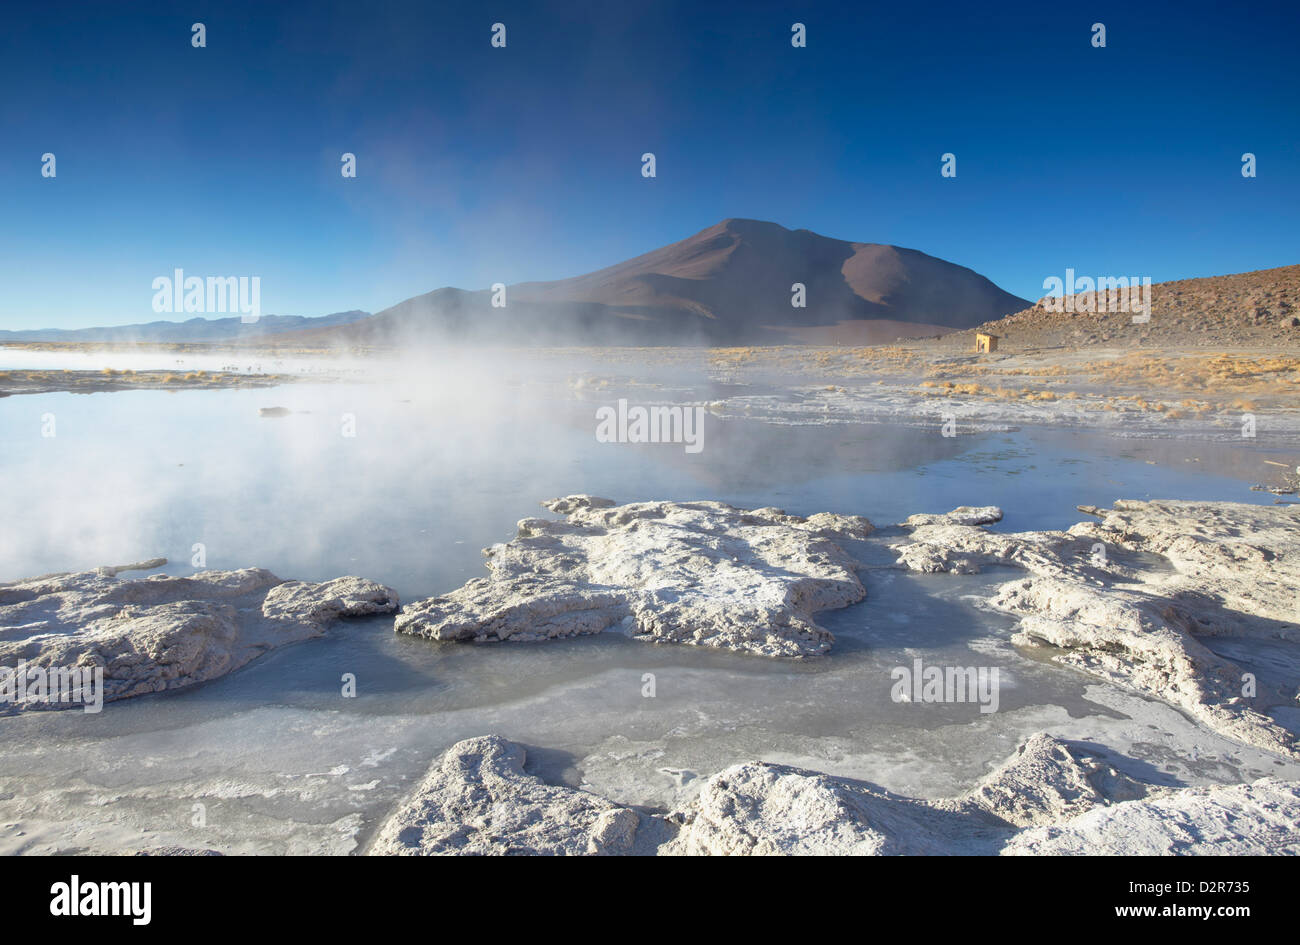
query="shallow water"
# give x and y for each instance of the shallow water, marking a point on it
(428, 480)
(440, 467)
(233, 362)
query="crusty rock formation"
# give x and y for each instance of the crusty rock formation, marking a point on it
(699, 573)
(1129, 598)
(478, 799)
(965, 515)
(774, 809)
(1096, 593)
(1047, 781)
(1228, 820)
(161, 632)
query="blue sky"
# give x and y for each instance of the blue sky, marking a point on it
(479, 165)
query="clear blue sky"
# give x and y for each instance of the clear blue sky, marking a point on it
(480, 165)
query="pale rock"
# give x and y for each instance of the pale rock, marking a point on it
(1094, 594)
(477, 799)
(160, 632)
(1050, 797)
(965, 515)
(1047, 781)
(1256, 819)
(697, 573)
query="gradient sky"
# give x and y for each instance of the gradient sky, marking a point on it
(479, 165)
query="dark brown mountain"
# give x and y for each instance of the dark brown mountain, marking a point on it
(728, 284)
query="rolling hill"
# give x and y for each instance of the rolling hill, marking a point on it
(728, 284)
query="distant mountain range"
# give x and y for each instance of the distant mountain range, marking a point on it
(732, 283)
(195, 329)
(728, 284)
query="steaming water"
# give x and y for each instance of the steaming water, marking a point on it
(444, 465)
(231, 362)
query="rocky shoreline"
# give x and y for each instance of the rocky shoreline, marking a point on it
(1050, 797)
(1189, 603)
(707, 574)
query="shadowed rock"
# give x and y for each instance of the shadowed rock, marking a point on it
(760, 808)
(478, 800)
(161, 632)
